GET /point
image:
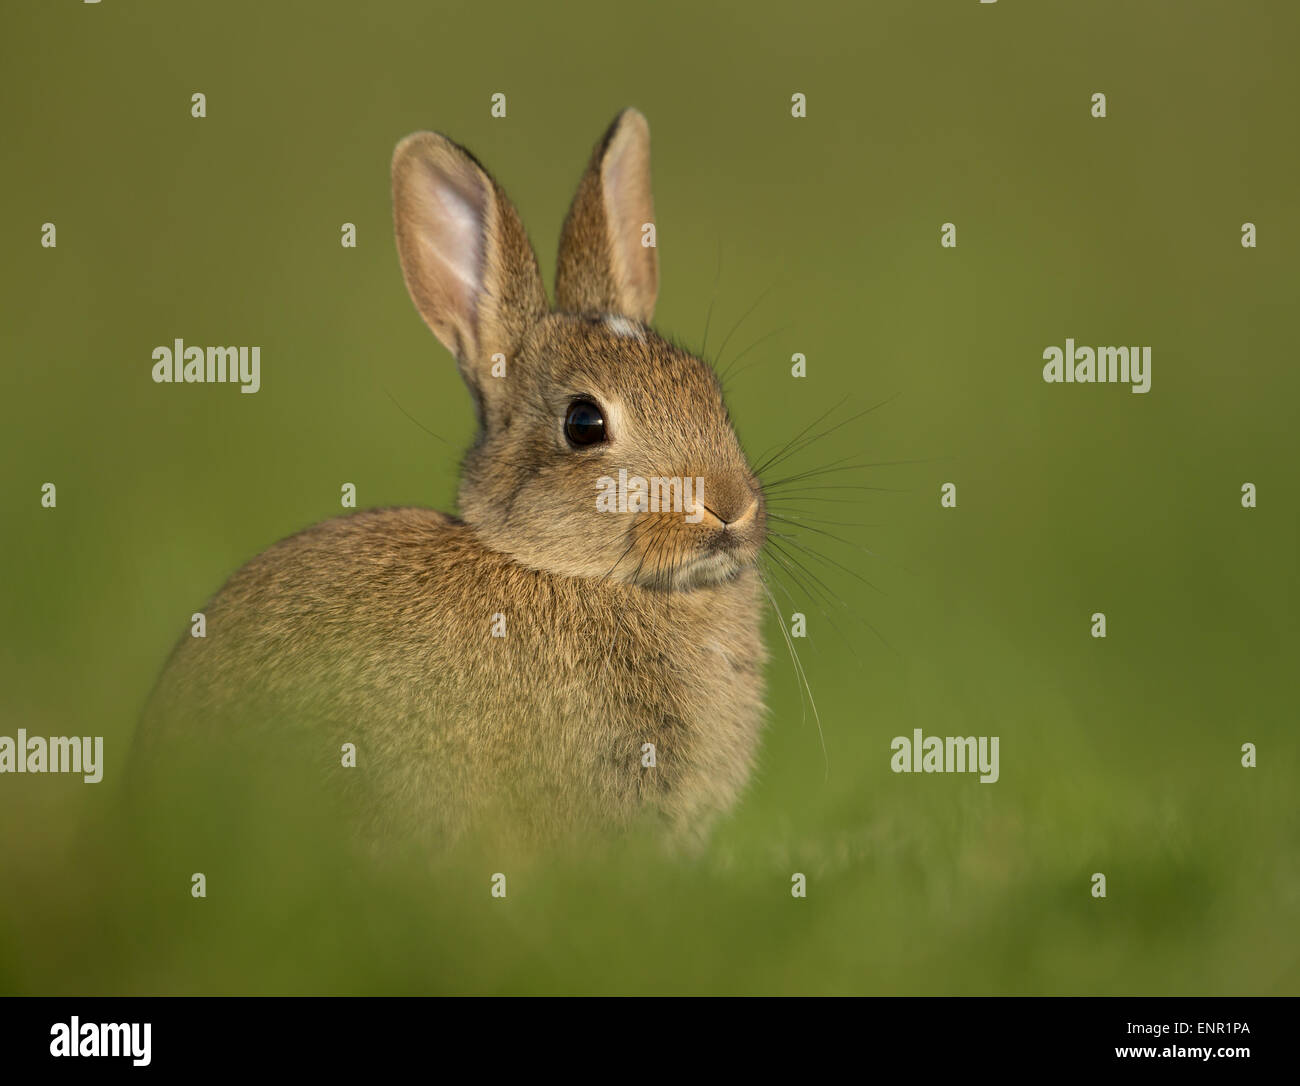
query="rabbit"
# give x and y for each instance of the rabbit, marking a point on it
(537, 659)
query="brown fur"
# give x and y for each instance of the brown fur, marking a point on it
(620, 629)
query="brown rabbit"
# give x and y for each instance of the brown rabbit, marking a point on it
(521, 658)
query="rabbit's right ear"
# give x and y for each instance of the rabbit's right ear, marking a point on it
(467, 261)
(605, 265)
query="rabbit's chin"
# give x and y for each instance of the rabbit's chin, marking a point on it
(706, 571)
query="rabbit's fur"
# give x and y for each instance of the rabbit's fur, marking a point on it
(619, 629)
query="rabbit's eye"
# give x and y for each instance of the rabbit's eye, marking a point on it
(584, 424)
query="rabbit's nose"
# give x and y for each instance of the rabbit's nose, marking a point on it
(733, 522)
(746, 518)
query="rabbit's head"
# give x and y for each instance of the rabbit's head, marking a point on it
(602, 450)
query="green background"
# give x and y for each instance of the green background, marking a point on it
(1120, 755)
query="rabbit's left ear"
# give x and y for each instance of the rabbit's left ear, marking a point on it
(467, 262)
(608, 262)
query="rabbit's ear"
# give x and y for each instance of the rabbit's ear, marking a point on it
(467, 261)
(605, 263)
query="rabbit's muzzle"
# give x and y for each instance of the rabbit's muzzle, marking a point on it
(676, 554)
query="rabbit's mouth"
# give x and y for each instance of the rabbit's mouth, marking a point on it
(719, 558)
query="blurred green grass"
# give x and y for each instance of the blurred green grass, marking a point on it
(1118, 756)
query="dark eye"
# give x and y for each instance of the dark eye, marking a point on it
(584, 424)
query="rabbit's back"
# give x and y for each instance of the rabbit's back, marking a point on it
(467, 681)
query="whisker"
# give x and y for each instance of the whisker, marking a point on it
(853, 614)
(826, 433)
(819, 601)
(736, 328)
(782, 500)
(761, 339)
(412, 417)
(828, 535)
(805, 549)
(708, 317)
(764, 464)
(799, 671)
(836, 466)
(814, 520)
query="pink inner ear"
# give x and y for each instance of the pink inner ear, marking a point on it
(451, 231)
(625, 184)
